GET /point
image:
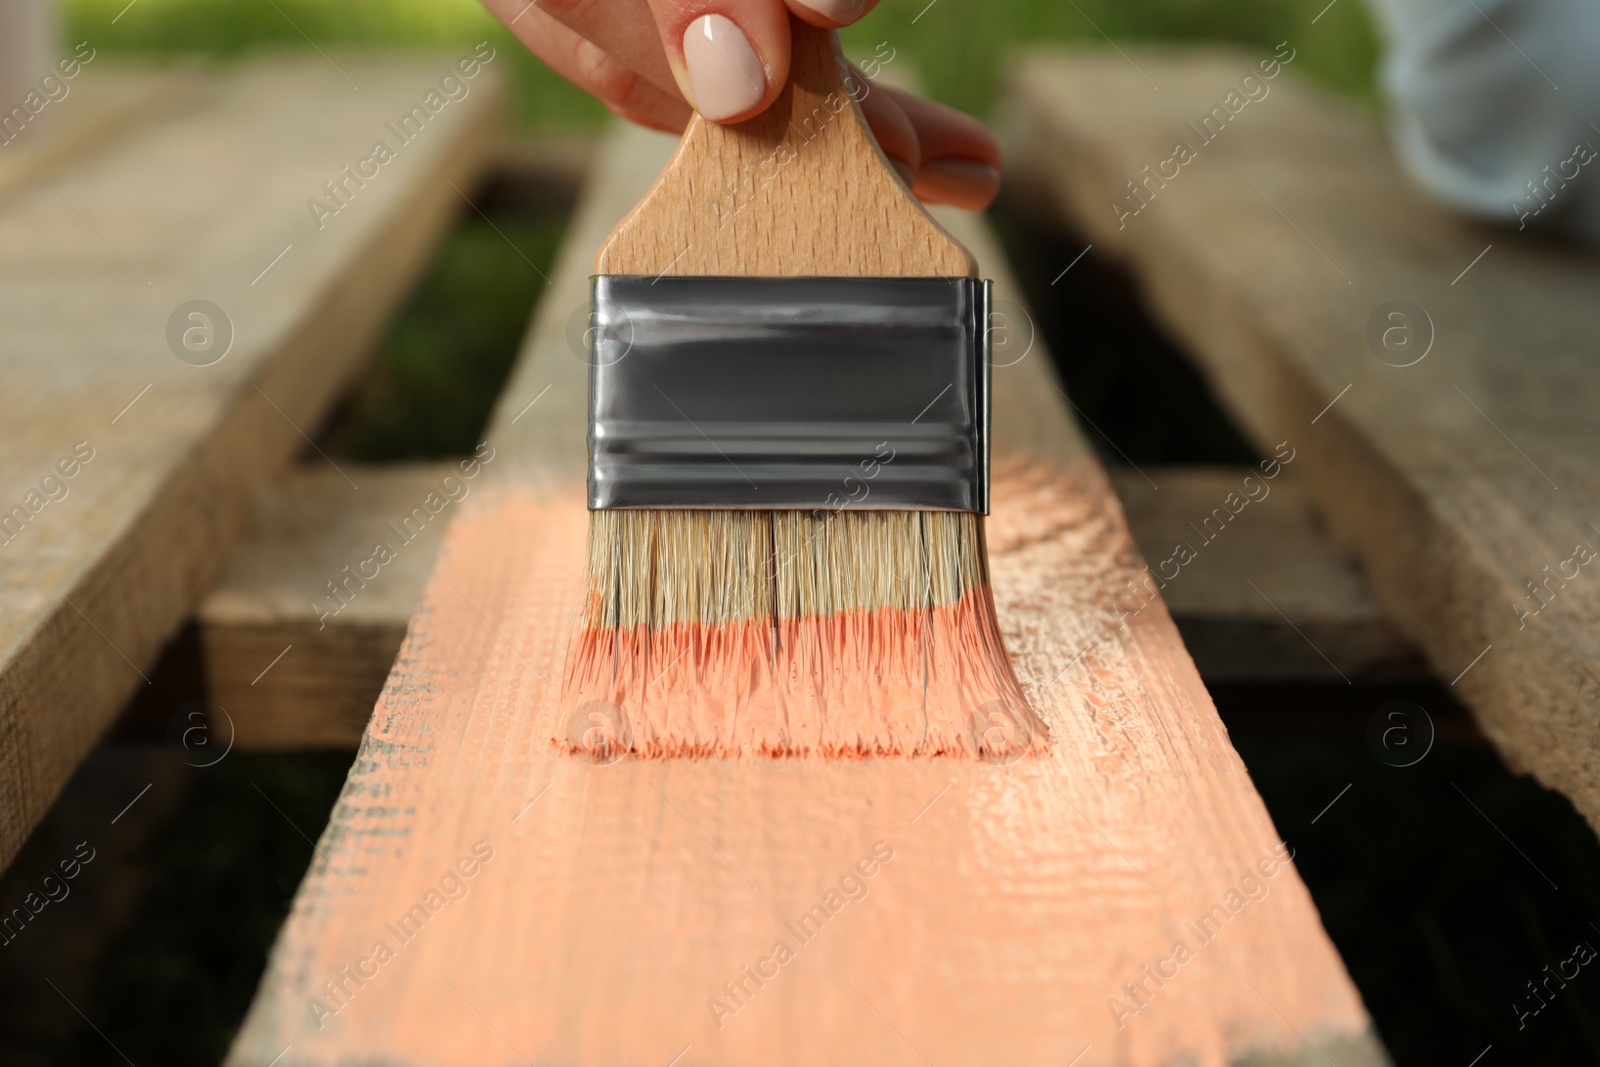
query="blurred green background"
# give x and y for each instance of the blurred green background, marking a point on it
(958, 46)
(477, 295)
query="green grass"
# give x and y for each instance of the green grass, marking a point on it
(229, 29)
(959, 47)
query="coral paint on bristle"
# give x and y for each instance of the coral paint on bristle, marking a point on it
(791, 633)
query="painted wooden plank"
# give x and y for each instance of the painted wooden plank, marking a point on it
(134, 469)
(481, 897)
(1275, 255)
(1258, 591)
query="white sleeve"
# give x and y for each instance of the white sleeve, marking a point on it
(1494, 105)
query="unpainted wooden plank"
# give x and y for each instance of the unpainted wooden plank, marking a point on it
(578, 914)
(102, 103)
(1274, 255)
(135, 469)
(302, 628)
(1258, 591)
(291, 664)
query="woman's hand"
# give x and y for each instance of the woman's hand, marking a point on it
(650, 61)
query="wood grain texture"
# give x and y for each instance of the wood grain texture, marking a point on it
(308, 527)
(801, 189)
(619, 899)
(1457, 480)
(94, 262)
(1261, 594)
(104, 103)
(273, 600)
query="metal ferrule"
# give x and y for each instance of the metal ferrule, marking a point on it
(779, 393)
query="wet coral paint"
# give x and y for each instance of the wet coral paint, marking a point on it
(623, 898)
(859, 684)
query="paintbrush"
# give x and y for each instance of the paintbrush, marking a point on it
(788, 458)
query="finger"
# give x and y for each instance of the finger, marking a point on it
(893, 130)
(962, 183)
(945, 132)
(592, 69)
(960, 161)
(831, 13)
(623, 28)
(730, 57)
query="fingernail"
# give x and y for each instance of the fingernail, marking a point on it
(725, 75)
(837, 10)
(957, 181)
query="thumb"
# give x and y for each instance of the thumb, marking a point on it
(730, 57)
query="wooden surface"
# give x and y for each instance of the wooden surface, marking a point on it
(1458, 479)
(289, 672)
(800, 189)
(619, 899)
(1263, 596)
(106, 101)
(292, 664)
(196, 204)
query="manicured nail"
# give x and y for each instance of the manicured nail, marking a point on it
(957, 181)
(725, 75)
(837, 10)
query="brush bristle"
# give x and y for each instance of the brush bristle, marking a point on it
(779, 633)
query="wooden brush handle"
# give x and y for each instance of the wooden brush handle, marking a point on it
(801, 189)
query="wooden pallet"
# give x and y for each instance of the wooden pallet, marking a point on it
(1309, 617)
(101, 240)
(1273, 256)
(590, 914)
(1258, 591)
(277, 659)
(105, 106)
(290, 664)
